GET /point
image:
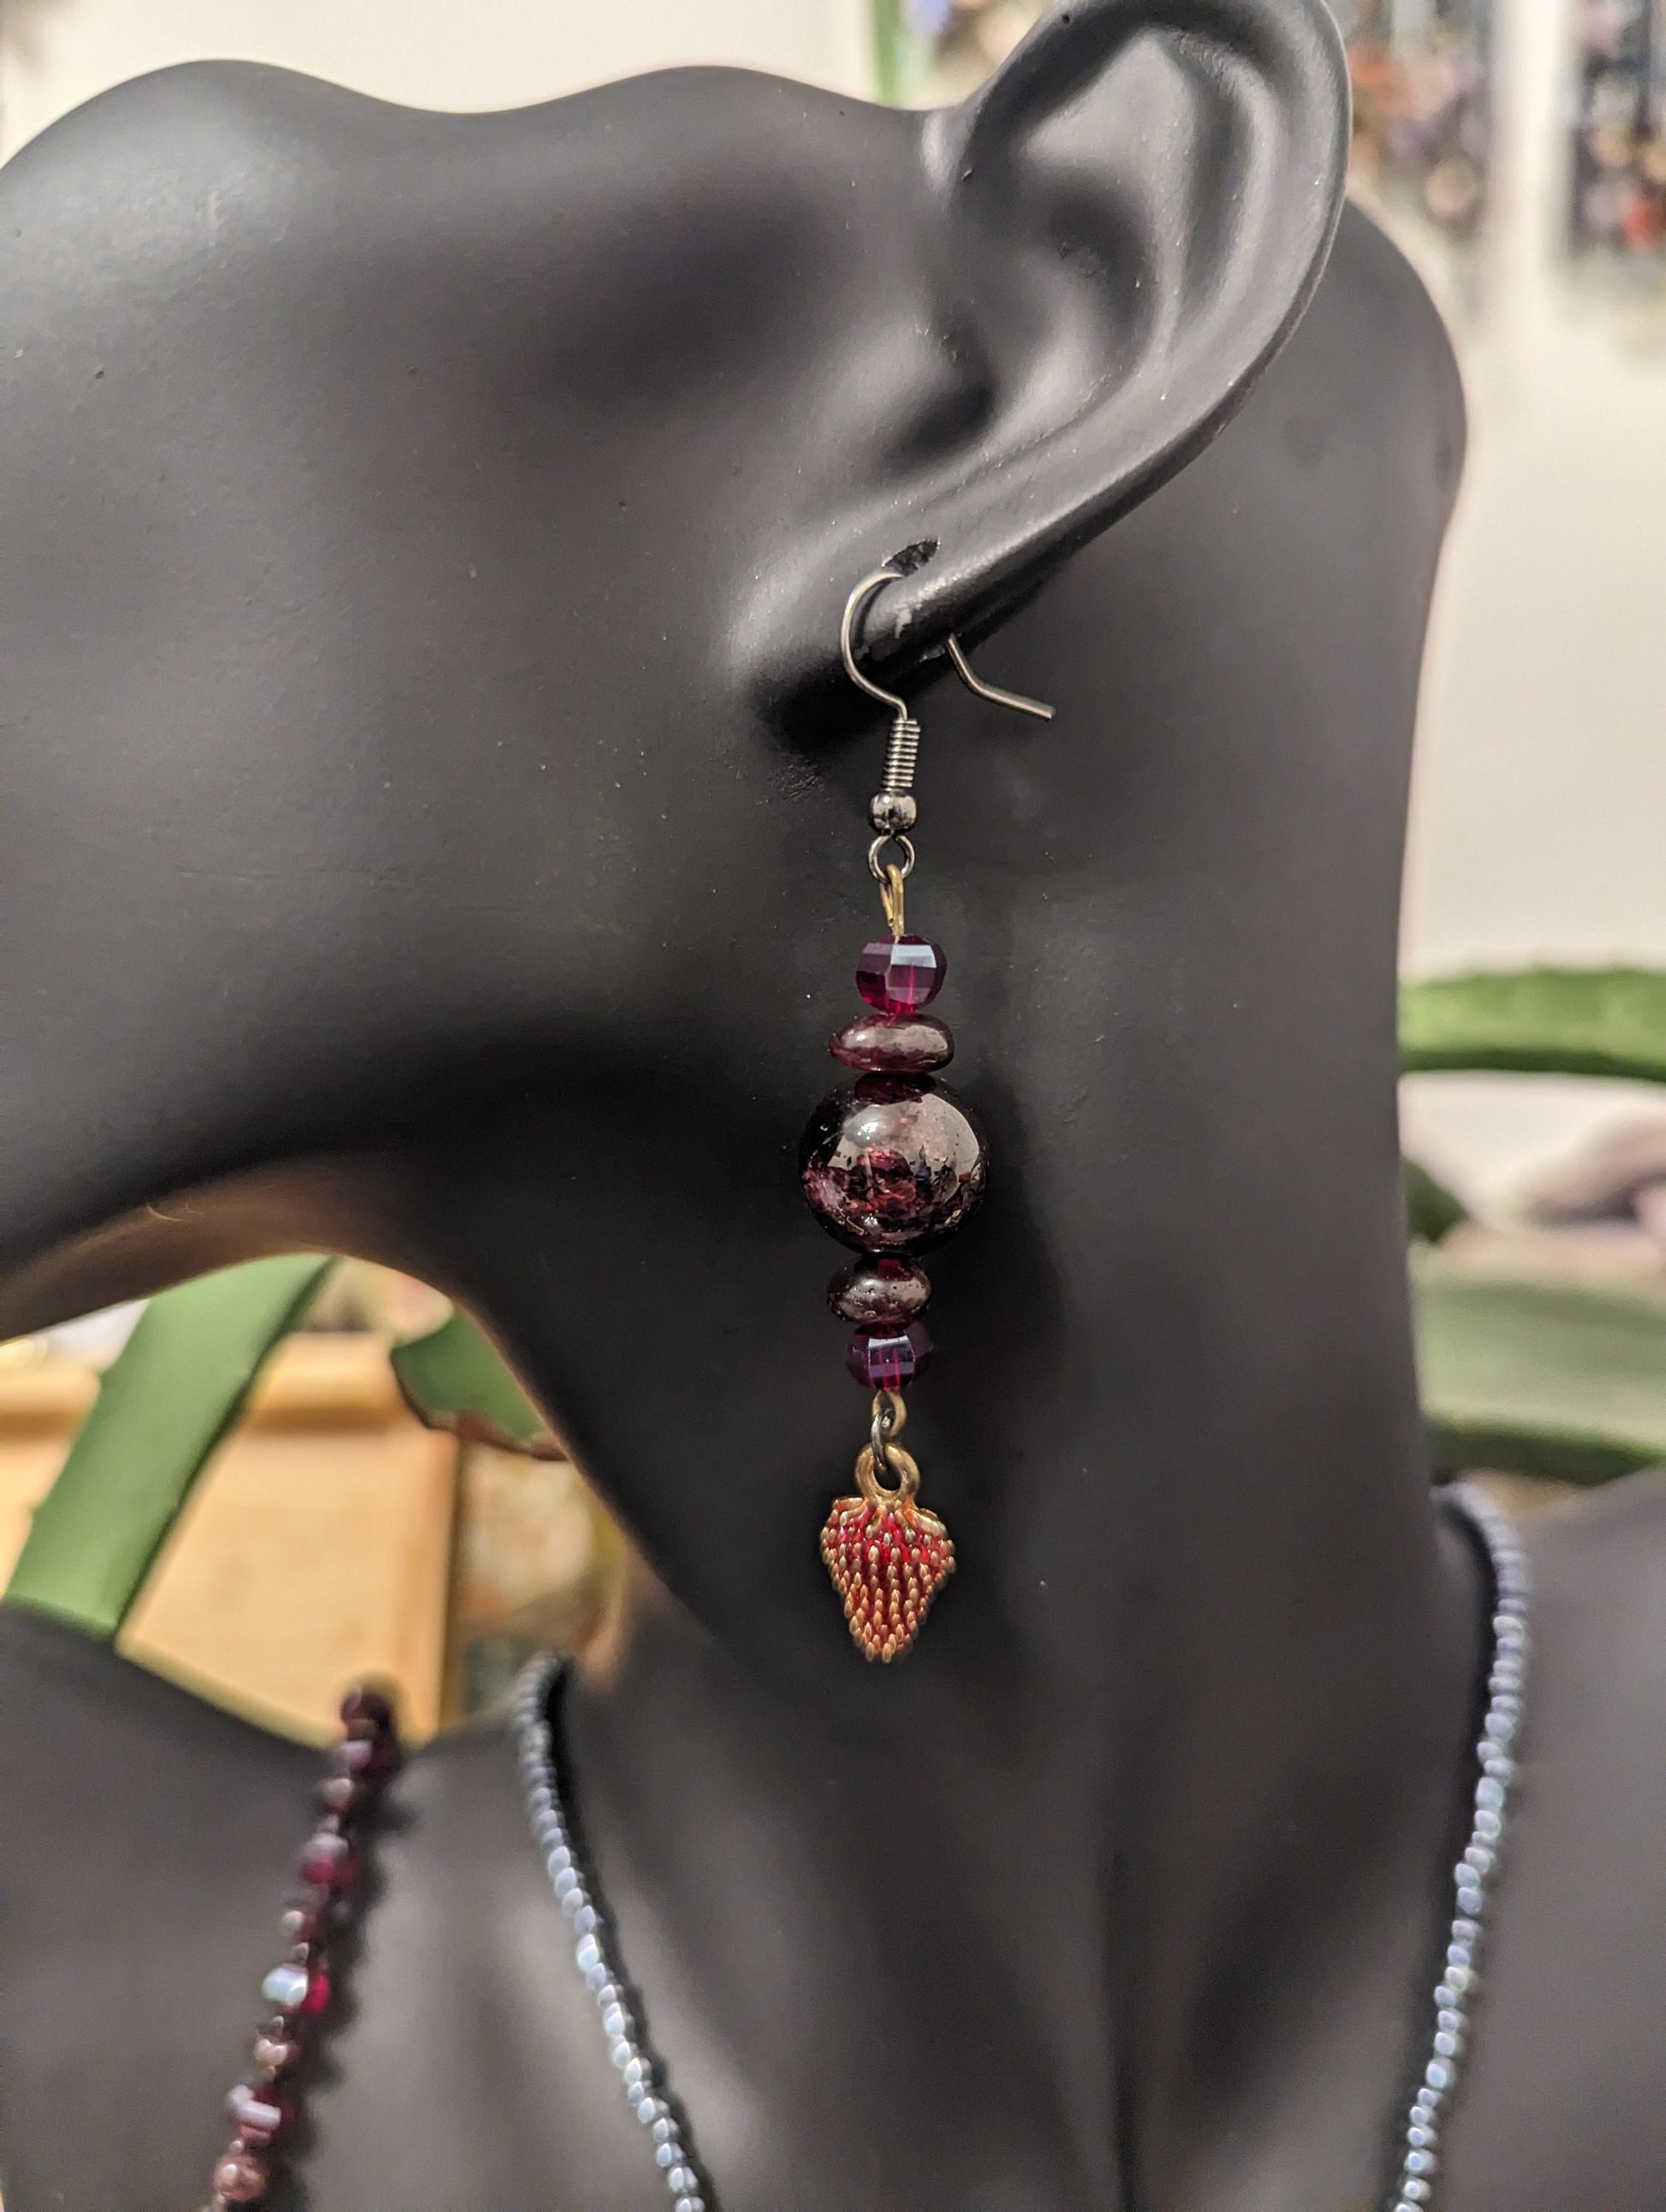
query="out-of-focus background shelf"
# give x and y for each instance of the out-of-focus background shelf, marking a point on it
(331, 1537)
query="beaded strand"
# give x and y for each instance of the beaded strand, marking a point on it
(264, 2109)
(644, 2077)
(639, 2071)
(1472, 1877)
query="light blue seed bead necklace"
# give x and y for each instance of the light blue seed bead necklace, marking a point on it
(644, 2077)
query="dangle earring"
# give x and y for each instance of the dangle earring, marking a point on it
(891, 1166)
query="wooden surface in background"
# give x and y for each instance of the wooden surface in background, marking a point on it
(316, 1548)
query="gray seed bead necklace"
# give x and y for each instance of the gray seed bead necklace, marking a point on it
(644, 2077)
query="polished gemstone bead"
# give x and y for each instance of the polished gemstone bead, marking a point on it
(344, 1795)
(900, 975)
(298, 1989)
(241, 2177)
(308, 1918)
(260, 2113)
(898, 1044)
(372, 1758)
(328, 1861)
(895, 1164)
(889, 1358)
(369, 1706)
(286, 1988)
(276, 2053)
(875, 1291)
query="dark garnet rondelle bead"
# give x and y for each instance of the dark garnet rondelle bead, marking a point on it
(889, 1358)
(372, 1758)
(241, 2177)
(901, 976)
(875, 1291)
(368, 1705)
(346, 1797)
(309, 1917)
(328, 1861)
(895, 1045)
(895, 1164)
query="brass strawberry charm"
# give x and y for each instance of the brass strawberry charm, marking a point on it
(888, 1557)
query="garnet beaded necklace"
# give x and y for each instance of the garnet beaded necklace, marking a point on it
(264, 2108)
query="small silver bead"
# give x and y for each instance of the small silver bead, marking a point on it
(1420, 2138)
(892, 813)
(681, 2178)
(668, 2154)
(1421, 2162)
(690, 2204)
(1415, 2190)
(663, 2129)
(1448, 2042)
(615, 2021)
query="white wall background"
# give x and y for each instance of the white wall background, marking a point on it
(1542, 787)
(429, 53)
(1539, 820)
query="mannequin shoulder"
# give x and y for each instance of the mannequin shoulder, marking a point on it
(1601, 1572)
(91, 1743)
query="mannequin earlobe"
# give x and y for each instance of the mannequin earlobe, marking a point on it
(1133, 212)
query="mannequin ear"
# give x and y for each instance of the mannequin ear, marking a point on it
(1145, 194)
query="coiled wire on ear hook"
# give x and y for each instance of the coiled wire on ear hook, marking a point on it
(893, 810)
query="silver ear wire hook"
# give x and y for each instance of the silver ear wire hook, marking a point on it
(894, 811)
(962, 668)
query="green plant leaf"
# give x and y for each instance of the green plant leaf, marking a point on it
(454, 1379)
(1432, 1210)
(1539, 1021)
(165, 1404)
(1532, 1377)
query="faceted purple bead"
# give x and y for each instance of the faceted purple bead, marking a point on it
(876, 1292)
(901, 974)
(892, 1164)
(889, 1358)
(893, 1044)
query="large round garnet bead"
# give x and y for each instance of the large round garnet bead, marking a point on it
(895, 1164)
